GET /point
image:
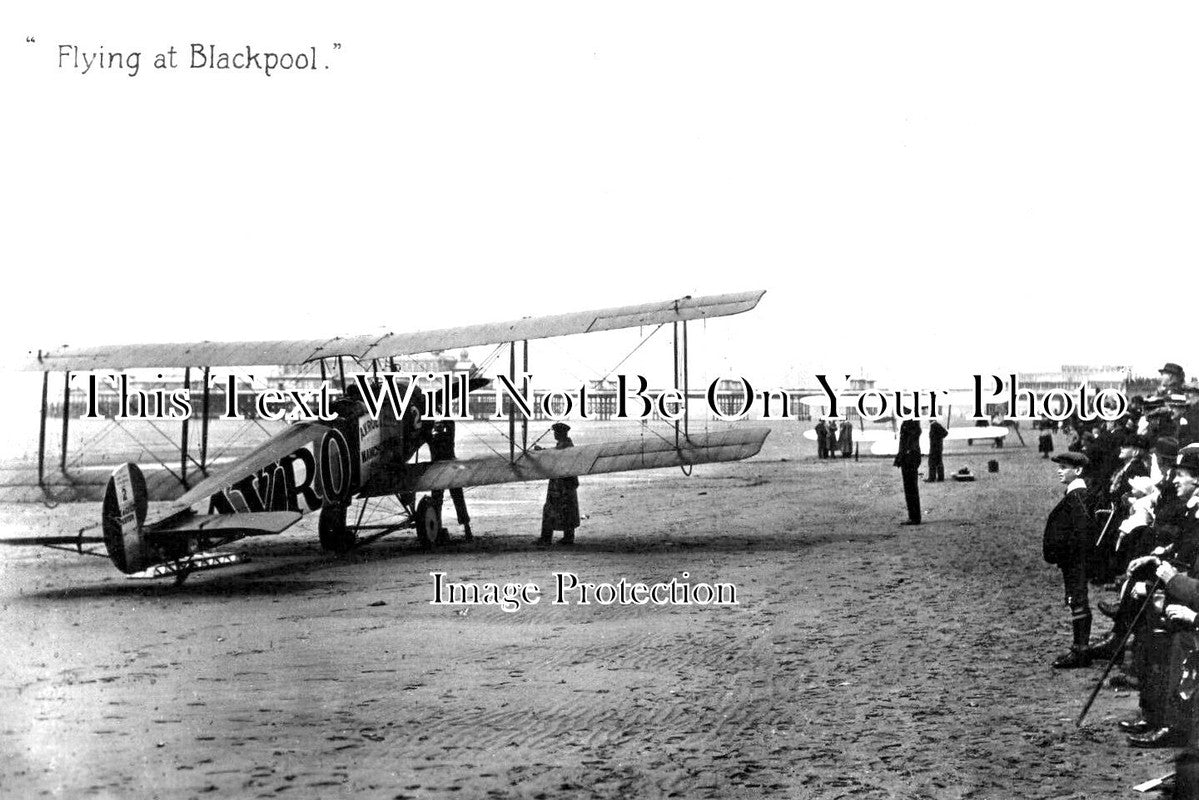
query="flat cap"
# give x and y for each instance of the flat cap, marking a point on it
(1166, 446)
(1189, 460)
(1172, 368)
(1136, 440)
(1071, 459)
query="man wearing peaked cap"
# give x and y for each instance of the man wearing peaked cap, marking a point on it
(1072, 459)
(1066, 541)
(1188, 459)
(1174, 371)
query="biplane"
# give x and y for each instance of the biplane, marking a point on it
(360, 458)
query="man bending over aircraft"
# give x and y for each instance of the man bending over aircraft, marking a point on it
(441, 448)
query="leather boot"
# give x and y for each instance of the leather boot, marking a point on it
(1072, 660)
(1107, 647)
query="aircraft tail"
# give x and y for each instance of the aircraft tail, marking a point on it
(125, 504)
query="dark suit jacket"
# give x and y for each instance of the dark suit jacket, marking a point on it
(1068, 530)
(909, 445)
(936, 437)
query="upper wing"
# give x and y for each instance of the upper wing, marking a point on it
(365, 348)
(729, 445)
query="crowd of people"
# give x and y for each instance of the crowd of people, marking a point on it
(831, 437)
(1129, 524)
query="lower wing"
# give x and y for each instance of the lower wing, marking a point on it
(651, 453)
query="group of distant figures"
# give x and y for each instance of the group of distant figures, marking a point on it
(831, 437)
(1129, 523)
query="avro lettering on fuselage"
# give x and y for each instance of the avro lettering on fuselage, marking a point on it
(303, 480)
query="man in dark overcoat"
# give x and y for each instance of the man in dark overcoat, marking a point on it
(561, 510)
(845, 438)
(908, 460)
(822, 439)
(936, 446)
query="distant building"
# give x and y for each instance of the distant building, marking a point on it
(1071, 376)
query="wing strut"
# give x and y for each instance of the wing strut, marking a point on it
(204, 428)
(524, 422)
(686, 431)
(511, 418)
(66, 416)
(675, 342)
(187, 383)
(685, 376)
(41, 437)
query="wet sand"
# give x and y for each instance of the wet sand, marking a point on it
(863, 659)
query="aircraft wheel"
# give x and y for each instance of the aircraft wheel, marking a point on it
(335, 535)
(428, 522)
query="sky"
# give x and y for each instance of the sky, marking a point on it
(925, 190)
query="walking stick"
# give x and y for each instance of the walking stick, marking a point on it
(1111, 514)
(1119, 654)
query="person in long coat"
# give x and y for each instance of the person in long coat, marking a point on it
(908, 460)
(845, 438)
(561, 510)
(822, 439)
(936, 448)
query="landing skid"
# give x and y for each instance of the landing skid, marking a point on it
(182, 567)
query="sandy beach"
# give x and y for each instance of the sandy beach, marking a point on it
(861, 659)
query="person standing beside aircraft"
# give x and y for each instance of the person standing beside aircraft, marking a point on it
(561, 510)
(441, 448)
(908, 460)
(936, 446)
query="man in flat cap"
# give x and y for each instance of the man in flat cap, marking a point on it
(561, 510)
(1173, 377)
(1066, 543)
